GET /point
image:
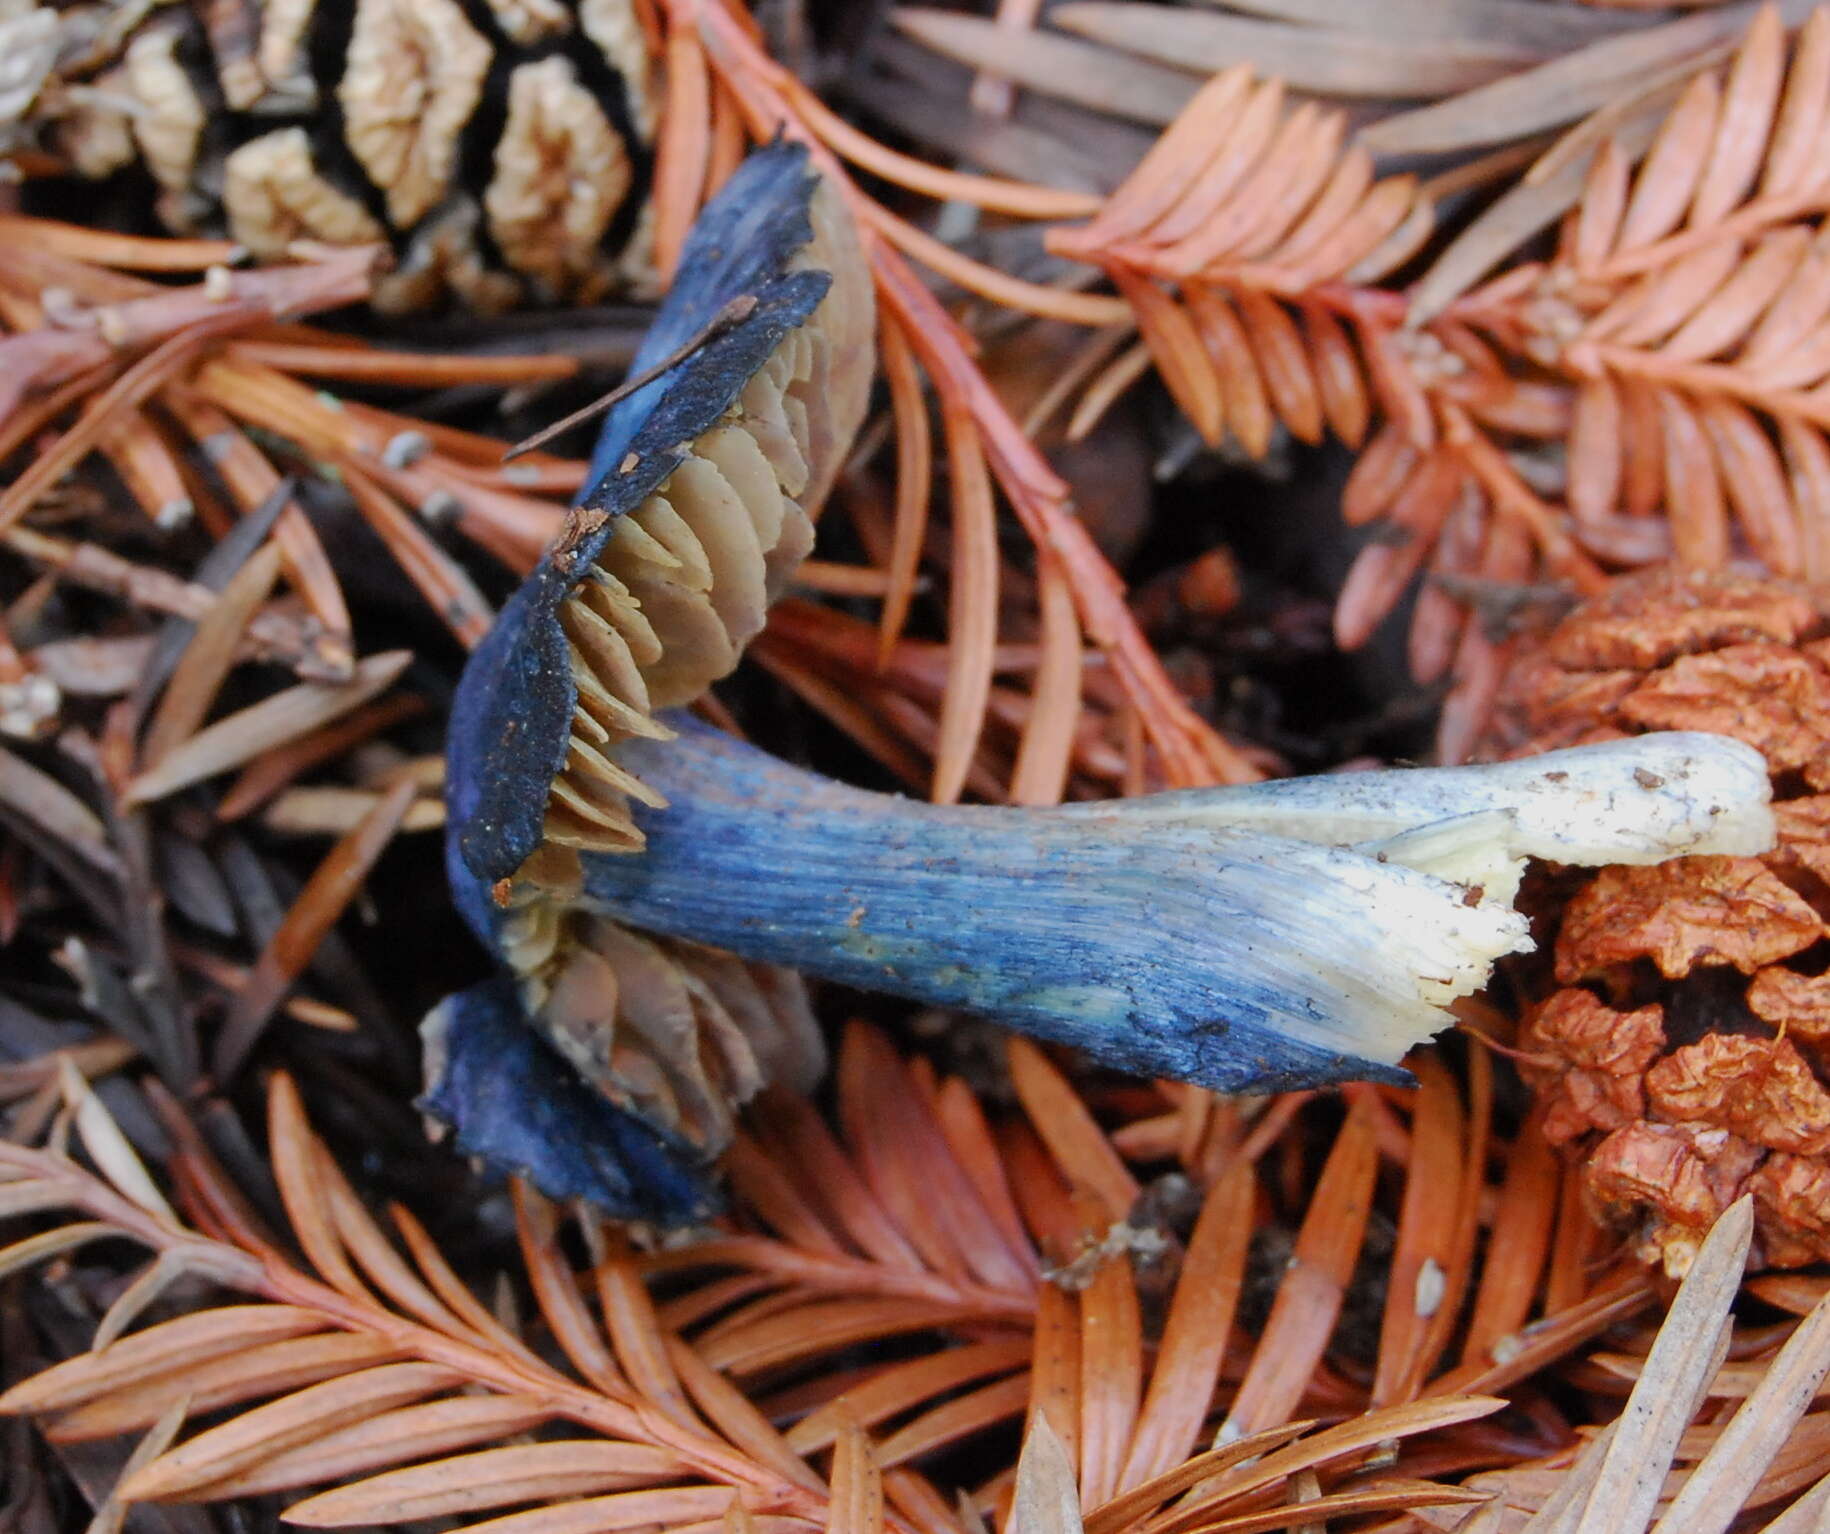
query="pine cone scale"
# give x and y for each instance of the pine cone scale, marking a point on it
(1680, 1042)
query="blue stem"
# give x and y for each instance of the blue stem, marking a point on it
(1154, 948)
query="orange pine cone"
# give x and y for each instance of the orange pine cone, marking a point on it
(1681, 1039)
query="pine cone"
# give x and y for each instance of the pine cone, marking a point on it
(501, 147)
(1684, 1042)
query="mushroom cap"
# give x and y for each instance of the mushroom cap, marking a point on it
(699, 506)
(512, 1099)
(512, 717)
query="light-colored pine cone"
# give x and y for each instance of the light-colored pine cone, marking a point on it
(501, 148)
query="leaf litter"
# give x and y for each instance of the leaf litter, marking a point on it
(847, 1350)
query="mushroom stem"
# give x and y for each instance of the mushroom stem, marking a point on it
(1248, 938)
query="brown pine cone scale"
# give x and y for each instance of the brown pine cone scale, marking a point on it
(1680, 1044)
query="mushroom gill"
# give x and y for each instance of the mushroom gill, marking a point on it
(708, 476)
(685, 581)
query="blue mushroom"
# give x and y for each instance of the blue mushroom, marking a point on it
(655, 890)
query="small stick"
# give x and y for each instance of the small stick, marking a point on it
(300, 643)
(734, 313)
